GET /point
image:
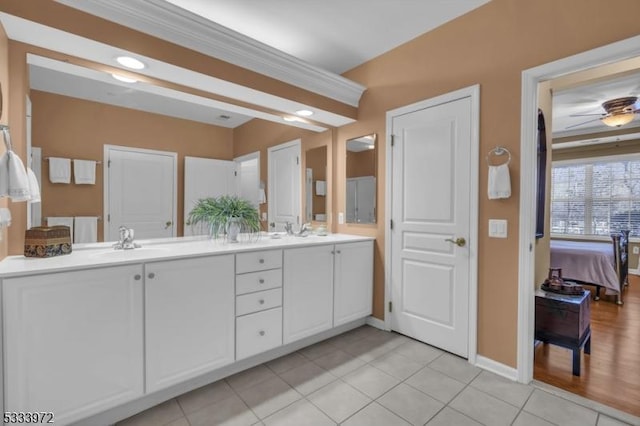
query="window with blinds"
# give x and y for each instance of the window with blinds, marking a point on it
(596, 196)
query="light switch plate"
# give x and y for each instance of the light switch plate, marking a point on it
(340, 218)
(497, 228)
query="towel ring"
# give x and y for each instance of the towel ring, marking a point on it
(498, 151)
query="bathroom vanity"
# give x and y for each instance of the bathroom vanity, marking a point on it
(98, 335)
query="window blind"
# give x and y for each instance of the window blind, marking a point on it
(596, 196)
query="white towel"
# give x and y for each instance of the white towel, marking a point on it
(34, 188)
(84, 172)
(321, 187)
(60, 220)
(4, 174)
(499, 182)
(85, 229)
(18, 179)
(59, 170)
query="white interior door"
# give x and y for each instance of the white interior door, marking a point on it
(284, 184)
(140, 192)
(248, 177)
(430, 206)
(204, 178)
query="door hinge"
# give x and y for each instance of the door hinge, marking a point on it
(297, 160)
(391, 220)
(390, 306)
(235, 174)
(108, 163)
(393, 140)
(108, 218)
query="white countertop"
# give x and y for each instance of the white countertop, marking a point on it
(102, 254)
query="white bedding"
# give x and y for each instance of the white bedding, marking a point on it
(590, 262)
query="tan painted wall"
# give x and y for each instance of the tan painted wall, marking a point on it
(73, 128)
(362, 163)
(490, 46)
(316, 160)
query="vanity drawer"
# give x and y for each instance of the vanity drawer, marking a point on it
(258, 261)
(260, 301)
(257, 281)
(258, 332)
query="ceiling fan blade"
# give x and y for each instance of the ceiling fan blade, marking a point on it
(586, 115)
(580, 124)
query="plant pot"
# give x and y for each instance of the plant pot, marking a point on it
(233, 229)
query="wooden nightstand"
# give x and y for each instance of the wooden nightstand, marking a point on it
(564, 321)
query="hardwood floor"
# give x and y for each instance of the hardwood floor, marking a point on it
(611, 374)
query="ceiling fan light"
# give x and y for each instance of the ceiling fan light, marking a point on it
(617, 120)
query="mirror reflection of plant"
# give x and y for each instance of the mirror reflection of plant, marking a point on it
(217, 212)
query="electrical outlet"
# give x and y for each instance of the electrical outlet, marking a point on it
(636, 250)
(264, 216)
(340, 218)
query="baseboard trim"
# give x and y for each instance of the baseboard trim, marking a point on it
(635, 271)
(497, 367)
(377, 323)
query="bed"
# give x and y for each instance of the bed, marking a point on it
(601, 264)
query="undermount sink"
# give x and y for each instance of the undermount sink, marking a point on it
(130, 253)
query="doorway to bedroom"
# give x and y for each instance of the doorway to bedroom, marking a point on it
(593, 190)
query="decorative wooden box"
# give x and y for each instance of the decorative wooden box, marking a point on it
(564, 321)
(562, 316)
(47, 241)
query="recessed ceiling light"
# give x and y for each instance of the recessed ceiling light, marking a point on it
(129, 62)
(288, 118)
(124, 79)
(304, 113)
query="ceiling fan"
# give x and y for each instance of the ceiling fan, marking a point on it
(619, 111)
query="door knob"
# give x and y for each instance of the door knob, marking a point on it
(168, 224)
(460, 242)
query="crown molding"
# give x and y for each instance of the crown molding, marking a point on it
(176, 25)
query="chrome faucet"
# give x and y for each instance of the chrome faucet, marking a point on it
(288, 226)
(126, 239)
(304, 230)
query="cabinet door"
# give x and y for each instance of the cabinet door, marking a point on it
(308, 291)
(73, 341)
(189, 318)
(353, 281)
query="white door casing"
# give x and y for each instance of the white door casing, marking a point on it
(433, 282)
(284, 184)
(204, 178)
(607, 54)
(140, 192)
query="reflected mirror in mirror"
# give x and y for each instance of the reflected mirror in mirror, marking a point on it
(361, 179)
(316, 185)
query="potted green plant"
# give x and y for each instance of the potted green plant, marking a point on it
(229, 215)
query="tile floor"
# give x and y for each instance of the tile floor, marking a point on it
(368, 377)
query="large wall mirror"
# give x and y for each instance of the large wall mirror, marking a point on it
(361, 178)
(315, 208)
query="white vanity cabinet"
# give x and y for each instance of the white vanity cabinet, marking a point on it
(258, 302)
(189, 318)
(326, 286)
(308, 291)
(353, 281)
(73, 341)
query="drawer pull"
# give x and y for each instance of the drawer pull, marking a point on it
(261, 301)
(137, 277)
(151, 275)
(261, 260)
(261, 281)
(261, 332)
